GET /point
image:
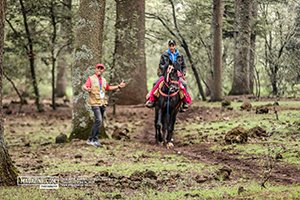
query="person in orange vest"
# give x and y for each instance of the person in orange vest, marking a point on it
(96, 85)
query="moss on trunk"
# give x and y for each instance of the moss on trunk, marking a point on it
(8, 173)
(84, 133)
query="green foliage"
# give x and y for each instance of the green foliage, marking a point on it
(41, 32)
(194, 22)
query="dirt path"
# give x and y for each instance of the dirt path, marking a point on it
(252, 167)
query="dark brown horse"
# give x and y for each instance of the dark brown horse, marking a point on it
(167, 107)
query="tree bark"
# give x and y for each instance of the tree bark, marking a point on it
(254, 13)
(195, 72)
(129, 56)
(240, 83)
(88, 52)
(53, 46)
(8, 175)
(62, 63)
(217, 50)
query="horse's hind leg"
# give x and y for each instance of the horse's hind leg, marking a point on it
(158, 126)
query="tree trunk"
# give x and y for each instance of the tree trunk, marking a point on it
(53, 46)
(62, 63)
(88, 52)
(31, 57)
(274, 79)
(217, 50)
(254, 13)
(129, 61)
(195, 72)
(8, 174)
(240, 83)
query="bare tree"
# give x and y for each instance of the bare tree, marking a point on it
(55, 51)
(8, 174)
(22, 100)
(217, 50)
(31, 57)
(54, 22)
(275, 47)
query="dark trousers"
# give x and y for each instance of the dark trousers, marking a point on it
(98, 113)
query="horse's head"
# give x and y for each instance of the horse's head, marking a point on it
(171, 78)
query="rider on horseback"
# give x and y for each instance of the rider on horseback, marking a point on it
(173, 57)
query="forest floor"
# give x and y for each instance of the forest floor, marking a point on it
(219, 153)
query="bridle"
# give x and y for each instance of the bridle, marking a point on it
(167, 81)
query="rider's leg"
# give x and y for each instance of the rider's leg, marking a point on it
(148, 94)
(150, 102)
(187, 98)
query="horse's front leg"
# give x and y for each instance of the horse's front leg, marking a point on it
(158, 124)
(171, 124)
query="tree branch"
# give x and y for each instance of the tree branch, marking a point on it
(15, 31)
(153, 16)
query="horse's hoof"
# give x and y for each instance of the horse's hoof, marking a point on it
(160, 144)
(170, 145)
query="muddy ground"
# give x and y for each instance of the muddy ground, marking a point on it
(132, 163)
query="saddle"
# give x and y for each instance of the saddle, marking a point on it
(157, 94)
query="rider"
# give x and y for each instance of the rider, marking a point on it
(170, 56)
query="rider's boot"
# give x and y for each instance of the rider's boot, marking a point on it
(185, 105)
(150, 104)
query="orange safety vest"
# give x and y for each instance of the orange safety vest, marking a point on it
(95, 99)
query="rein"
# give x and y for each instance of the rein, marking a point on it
(169, 95)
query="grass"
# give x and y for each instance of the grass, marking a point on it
(221, 190)
(128, 168)
(247, 120)
(114, 161)
(283, 139)
(34, 193)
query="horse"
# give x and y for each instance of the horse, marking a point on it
(167, 107)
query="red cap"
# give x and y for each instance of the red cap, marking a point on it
(100, 66)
